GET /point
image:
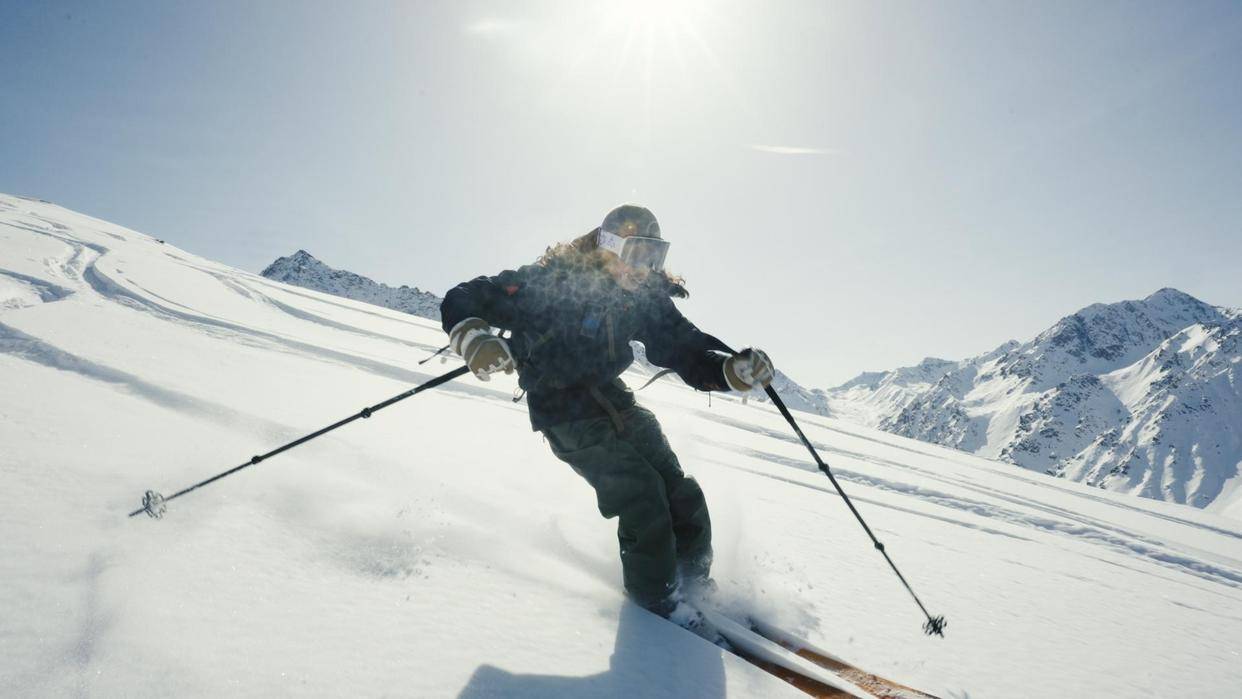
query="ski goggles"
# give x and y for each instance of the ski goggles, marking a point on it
(635, 251)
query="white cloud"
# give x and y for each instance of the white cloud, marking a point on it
(792, 150)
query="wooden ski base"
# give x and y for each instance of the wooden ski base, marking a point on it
(768, 655)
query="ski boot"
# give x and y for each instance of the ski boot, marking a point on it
(685, 615)
(700, 590)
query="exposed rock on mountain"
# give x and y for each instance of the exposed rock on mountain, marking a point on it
(302, 269)
(1142, 397)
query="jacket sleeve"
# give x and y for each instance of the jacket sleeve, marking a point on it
(675, 343)
(489, 298)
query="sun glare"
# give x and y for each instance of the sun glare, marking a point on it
(639, 61)
(650, 41)
(651, 31)
(655, 13)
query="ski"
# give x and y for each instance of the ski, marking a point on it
(877, 686)
(768, 655)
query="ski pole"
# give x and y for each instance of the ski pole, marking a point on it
(935, 624)
(155, 505)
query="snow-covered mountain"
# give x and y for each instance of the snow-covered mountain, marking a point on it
(304, 270)
(439, 549)
(1140, 397)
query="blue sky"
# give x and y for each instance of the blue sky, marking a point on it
(851, 186)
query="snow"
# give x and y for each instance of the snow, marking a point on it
(438, 549)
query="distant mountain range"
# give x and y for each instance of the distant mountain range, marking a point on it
(302, 269)
(1142, 397)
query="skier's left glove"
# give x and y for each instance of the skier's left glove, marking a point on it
(748, 369)
(484, 353)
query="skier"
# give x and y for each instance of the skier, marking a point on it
(570, 318)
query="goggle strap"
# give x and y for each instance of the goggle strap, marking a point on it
(610, 241)
(634, 250)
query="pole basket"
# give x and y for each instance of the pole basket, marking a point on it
(153, 504)
(935, 626)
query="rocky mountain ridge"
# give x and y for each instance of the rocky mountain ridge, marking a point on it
(1140, 396)
(304, 270)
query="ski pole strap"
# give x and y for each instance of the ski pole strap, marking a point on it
(934, 625)
(154, 503)
(437, 353)
(659, 375)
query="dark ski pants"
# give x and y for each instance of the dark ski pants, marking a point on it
(662, 517)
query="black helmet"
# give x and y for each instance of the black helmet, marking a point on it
(630, 219)
(633, 234)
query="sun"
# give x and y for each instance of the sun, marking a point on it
(655, 14)
(648, 32)
(643, 42)
(627, 65)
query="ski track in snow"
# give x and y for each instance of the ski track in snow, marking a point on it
(981, 464)
(18, 344)
(1078, 528)
(961, 483)
(111, 290)
(294, 291)
(253, 295)
(47, 291)
(1020, 521)
(314, 318)
(855, 497)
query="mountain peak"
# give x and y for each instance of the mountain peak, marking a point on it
(1106, 336)
(1172, 296)
(305, 270)
(1159, 302)
(285, 268)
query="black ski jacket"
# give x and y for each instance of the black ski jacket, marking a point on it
(570, 330)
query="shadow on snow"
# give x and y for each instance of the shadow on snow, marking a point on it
(646, 661)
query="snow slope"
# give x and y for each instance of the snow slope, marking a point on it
(1140, 397)
(438, 549)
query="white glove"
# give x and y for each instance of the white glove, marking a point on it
(484, 353)
(748, 369)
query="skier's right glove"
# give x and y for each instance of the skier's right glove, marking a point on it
(484, 353)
